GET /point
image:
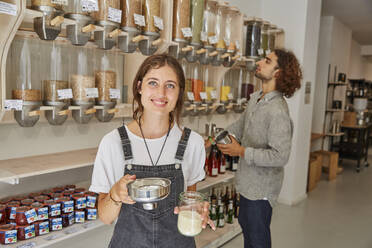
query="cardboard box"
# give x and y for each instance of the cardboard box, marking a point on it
(350, 118)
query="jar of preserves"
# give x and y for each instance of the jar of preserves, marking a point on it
(47, 192)
(253, 40)
(27, 202)
(42, 211)
(151, 11)
(6, 200)
(80, 201)
(2, 214)
(181, 20)
(56, 196)
(91, 199)
(66, 219)
(70, 187)
(41, 198)
(25, 216)
(67, 205)
(25, 232)
(33, 195)
(80, 216)
(80, 190)
(54, 208)
(90, 213)
(68, 193)
(108, 10)
(58, 189)
(8, 234)
(19, 198)
(55, 224)
(189, 217)
(41, 227)
(10, 210)
(196, 15)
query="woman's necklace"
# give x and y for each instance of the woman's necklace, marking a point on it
(147, 148)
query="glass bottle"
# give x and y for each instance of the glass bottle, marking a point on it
(237, 203)
(213, 161)
(213, 215)
(189, 217)
(230, 213)
(235, 163)
(222, 167)
(213, 197)
(221, 216)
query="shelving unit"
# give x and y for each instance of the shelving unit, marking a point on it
(210, 181)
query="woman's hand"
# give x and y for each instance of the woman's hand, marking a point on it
(204, 215)
(233, 149)
(119, 192)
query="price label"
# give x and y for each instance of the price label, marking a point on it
(71, 218)
(114, 15)
(190, 95)
(13, 104)
(186, 32)
(227, 41)
(10, 237)
(230, 96)
(31, 216)
(89, 5)
(60, 2)
(203, 95)
(158, 22)
(91, 92)
(44, 228)
(260, 51)
(42, 214)
(64, 94)
(91, 201)
(92, 214)
(13, 212)
(8, 8)
(214, 94)
(268, 51)
(56, 224)
(115, 93)
(30, 232)
(203, 36)
(213, 39)
(242, 100)
(79, 216)
(139, 20)
(55, 210)
(68, 207)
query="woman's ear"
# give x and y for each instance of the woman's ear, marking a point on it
(139, 84)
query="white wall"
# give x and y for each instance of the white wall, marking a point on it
(357, 63)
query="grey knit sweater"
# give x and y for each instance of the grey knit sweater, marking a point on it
(265, 131)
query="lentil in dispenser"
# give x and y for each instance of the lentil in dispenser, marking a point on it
(196, 22)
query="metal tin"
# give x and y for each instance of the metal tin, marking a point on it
(222, 137)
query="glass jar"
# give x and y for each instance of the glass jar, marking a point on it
(80, 216)
(190, 212)
(27, 202)
(47, 192)
(21, 218)
(24, 53)
(70, 187)
(210, 84)
(11, 210)
(41, 198)
(54, 208)
(75, 7)
(25, 232)
(80, 201)
(128, 9)
(253, 40)
(82, 77)
(105, 77)
(8, 234)
(33, 195)
(58, 189)
(226, 92)
(68, 193)
(105, 8)
(55, 72)
(247, 85)
(91, 199)
(181, 19)
(2, 214)
(151, 10)
(220, 26)
(41, 227)
(55, 224)
(271, 39)
(197, 83)
(67, 205)
(210, 30)
(42, 211)
(196, 15)
(80, 190)
(90, 213)
(264, 46)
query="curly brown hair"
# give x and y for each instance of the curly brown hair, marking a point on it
(290, 74)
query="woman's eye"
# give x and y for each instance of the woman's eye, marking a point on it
(171, 86)
(153, 83)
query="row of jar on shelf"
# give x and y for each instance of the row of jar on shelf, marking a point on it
(205, 30)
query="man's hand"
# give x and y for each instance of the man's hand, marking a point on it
(233, 149)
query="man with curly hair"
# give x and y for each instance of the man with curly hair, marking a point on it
(265, 132)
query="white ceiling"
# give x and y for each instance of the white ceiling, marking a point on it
(356, 14)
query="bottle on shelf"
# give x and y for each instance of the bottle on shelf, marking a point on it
(228, 162)
(213, 215)
(213, 197)
(235, 161)
(230, 212)
(237, 203)
(221, 216)
(213, 161)
(222, 167)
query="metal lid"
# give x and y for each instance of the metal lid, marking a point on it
(150, 189)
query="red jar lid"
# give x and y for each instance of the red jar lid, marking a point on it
(13, 204)
(68, 192)
(27, 202)
(58, 189)
(47, 192)
(19, 198)
(63, 199)
(89, 193)
(78, 195)
(70, 186)
(37, 205)
(22, 209)
(57, 195)
(6, 200)
(33, 195)
(41, 198)
(7, 227)
(80, 190)
(49, 202)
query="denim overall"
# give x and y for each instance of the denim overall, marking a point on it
(157, 228)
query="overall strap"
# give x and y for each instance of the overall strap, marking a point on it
(127, 148)
(183, 143)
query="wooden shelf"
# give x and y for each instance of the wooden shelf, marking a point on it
(58, 236)
(315, 136)
(335, 134)
(211, 181)
(335, 110)
(11, 170)
(213, 239)
(338, 83)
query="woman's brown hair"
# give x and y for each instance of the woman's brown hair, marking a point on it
(290, 74)
(156, 62)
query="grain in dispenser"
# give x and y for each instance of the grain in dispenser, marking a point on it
(153, 26)
(25, 72)
(106, 83)
(108, 16)
(231, 36)
(56, 91)
(208, 95)
(196, 24)
(82, 83)
(48, 26)
(79, 10)
(253, 37)
(226, 92)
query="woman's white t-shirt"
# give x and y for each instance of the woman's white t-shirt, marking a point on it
(109, 163)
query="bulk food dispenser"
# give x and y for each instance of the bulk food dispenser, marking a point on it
(181, 31)
(109, 17)
(56, 91)
(264, 42)
(241, 88)
(208, 95)
(219, 30)
(253, 37)
(83, 84)
(226, 92)
(196, 22)
(24, 71)
(153, 26)
(79, 10)
(195, 78)
(210, 32)
(106, 83)
(230, 36)
(271, 38)
(132, 22)
(48, 26)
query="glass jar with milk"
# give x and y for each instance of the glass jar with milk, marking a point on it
(189, 217)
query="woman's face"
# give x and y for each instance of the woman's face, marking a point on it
(159, 90)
